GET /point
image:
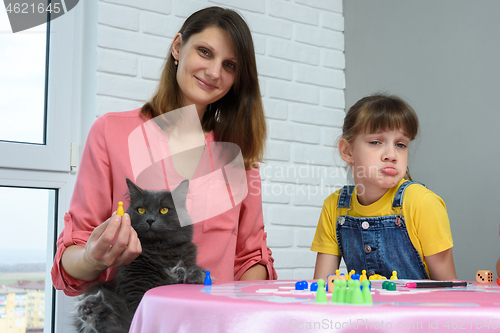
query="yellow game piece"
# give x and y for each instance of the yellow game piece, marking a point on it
(394, 275)
(337, 272)
(363, 275)
(120, 211)
(350, 273)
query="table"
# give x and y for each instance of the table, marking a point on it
(273, 306)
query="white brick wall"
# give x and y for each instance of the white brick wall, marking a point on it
(299, 46)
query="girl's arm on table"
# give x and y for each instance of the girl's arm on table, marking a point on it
(441, 265)
(326, 264)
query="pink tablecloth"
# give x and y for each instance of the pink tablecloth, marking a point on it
(271, 306)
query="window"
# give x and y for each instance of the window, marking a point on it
(35, 141)
(22, 64)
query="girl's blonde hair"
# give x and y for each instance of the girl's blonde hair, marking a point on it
(378, 113)
(238, 117)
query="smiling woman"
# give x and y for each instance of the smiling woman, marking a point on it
(211, 65)
(205, 67)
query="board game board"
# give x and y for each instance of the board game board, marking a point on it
(275, 306)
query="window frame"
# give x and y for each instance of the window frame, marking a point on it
(54, 154)
(71, 87)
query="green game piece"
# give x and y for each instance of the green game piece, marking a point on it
(356, 295)
(336, 290)
(367, 295)
(342, 291)
(321, 292)
(350, 290)
(391, 286)
(385, 284)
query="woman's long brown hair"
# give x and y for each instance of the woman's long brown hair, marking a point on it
(238, 117)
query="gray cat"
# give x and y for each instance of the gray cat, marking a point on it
(168, 257)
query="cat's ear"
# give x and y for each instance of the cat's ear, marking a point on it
(181, 190)
(133, 189)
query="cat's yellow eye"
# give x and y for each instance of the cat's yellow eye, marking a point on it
(141, 210)
(164, 210)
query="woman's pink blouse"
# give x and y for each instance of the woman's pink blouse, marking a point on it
(228, 244)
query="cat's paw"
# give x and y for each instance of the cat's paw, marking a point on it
(195, 275)
(177, 274)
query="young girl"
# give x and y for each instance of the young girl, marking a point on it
(385, 222)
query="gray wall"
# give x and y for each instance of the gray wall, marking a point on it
(443, 57)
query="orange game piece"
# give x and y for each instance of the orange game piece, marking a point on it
(330, 278)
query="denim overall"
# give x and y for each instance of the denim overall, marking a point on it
(378, 245)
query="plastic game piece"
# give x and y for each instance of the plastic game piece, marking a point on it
(120, 211)
(305, 285)
(337, 272)
(498, 281)
(342, 291)
(329, 283)
(350, 291)
(299, 285)
(367, 295)
(350, 273)
(208, 280)
(355, 276)
(336, 291)
(314, 286)
(394, 275)
(483, 276)
(356, 295)
(385, 284)
(363, 275)
(391, 286)
(321, 292)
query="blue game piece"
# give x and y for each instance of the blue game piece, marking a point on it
(299, 285)
(314, 286)
(305, 284)
(355, 276)
(208, 280)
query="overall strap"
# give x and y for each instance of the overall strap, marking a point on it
(398, 198)
(345, 196)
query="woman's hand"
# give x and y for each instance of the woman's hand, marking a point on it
(113, 243)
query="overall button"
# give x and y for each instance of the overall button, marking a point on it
(341, 220)
(365, 225)
(368, 249)
(398, 221)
